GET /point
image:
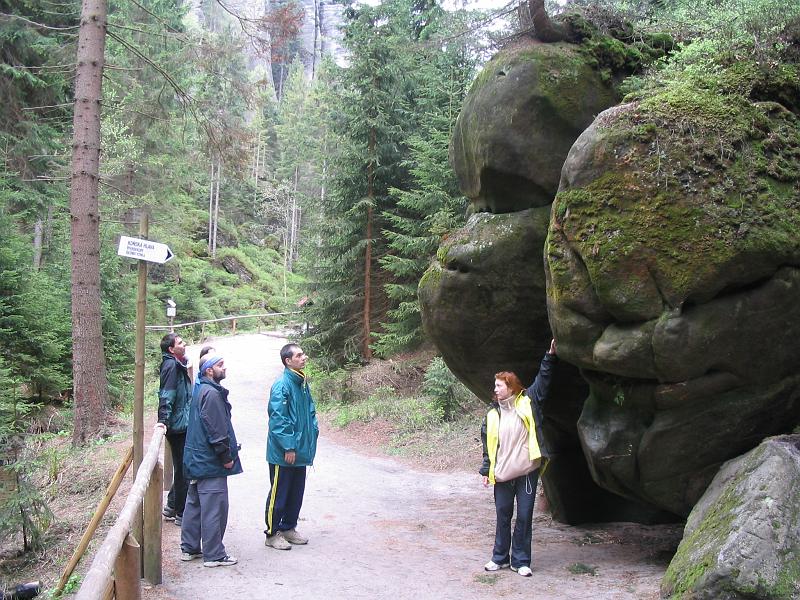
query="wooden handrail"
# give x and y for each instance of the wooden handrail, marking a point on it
(98, 515)
(175, 326)
(97, 578)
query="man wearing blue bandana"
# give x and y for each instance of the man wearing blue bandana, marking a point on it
(211, 455)
(291, 446)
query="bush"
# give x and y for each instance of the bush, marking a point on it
(446, 392)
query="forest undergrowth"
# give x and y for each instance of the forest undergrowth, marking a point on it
(410, 407)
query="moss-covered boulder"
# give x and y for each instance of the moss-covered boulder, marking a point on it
(472, 294)
(742, 539)
(486, 317)
(673, 265)
(522, 114)
(483, 299)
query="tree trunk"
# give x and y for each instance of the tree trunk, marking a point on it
(216, 210)
(90, 387)
(367, 351)
(255, 171)
(211, 205)
(316, 37)
(38, 234)
(292, 222)
(544, 29)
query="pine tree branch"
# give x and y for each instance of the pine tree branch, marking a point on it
(40, 25)
(137, 30)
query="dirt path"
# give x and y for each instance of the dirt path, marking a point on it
(381, 530)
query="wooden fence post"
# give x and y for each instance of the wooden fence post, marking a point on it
(167, 464)
(126, 571)
(234, 326)
(152, 525)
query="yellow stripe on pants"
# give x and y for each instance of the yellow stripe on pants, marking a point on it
(271, 504)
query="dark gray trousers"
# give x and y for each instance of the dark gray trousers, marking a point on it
(205, 518)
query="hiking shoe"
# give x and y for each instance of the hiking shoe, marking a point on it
(169, 513)
(225, 561)
(493, 566)
(179, 520)
(277, 541)
(187, 556)
(524, 571)
(293, 537)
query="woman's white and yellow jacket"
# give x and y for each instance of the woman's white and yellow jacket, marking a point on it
(528, 406)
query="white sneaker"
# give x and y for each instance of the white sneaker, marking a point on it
(187, 556)
(277, 541)
(524, 571)
(493, 566)
(225, 561)
(293, 537)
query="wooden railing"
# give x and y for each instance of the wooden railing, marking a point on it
(119, 562)
(203, 323)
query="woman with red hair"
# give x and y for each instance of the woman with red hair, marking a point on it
(514, 453)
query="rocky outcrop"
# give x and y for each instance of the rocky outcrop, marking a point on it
(742, 540)
(521, 116)
(673, 266)
(483, 299)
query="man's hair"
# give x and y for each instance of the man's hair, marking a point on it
(168, 341)
(287, 352)
(511, 380)
(205, 350)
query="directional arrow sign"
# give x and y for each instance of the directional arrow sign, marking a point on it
(144, 250)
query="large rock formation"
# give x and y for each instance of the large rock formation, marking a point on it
(673, 264)
(483, 299)
(741, 539)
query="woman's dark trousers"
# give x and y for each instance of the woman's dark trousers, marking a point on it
(523, 489)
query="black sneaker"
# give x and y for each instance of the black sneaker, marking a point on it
(178, 520)
(169, 513)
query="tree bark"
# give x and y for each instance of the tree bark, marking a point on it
(211, 205)
(316, 37)
(90, 387)
(293, 222)
(367, 351)
(216, 210)
(256, 171)
(544, 29)
(38, 234)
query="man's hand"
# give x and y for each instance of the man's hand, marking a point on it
(289, 457)
(552, 347)
(485, 481)
(228, 465)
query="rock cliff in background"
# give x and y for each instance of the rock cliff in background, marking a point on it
(483, 299)
(673, 263)
(741, 539)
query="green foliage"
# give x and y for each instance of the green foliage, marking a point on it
(23, 509)
(391, 190)
(582, 569)
(447, 393)
(408, 414)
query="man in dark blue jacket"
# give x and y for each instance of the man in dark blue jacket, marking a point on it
(174, 395)
(211, 456)
(291, 447)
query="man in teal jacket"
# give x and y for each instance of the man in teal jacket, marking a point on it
(291, 446)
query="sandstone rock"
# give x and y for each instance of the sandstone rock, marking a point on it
(519, 120)
(673, 266)
(742, 540)
(483, 307)
(483, 299)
